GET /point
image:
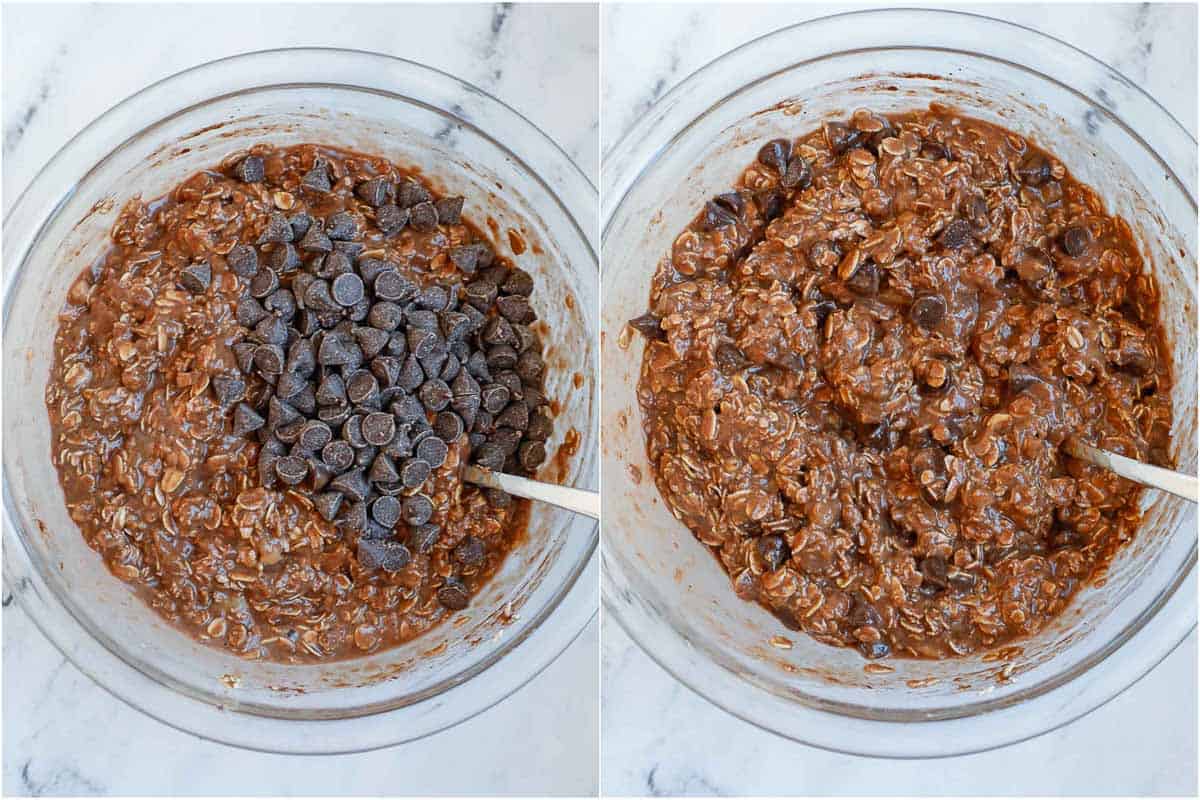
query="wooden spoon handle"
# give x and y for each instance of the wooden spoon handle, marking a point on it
(1178, 484)
(580, 501)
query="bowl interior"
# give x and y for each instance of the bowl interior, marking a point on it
(667, 579)
(457, 159)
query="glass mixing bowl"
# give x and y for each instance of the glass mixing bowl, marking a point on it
(468, 143)
(663, 587)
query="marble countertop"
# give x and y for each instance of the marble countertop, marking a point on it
(66, 64)
(660, 738)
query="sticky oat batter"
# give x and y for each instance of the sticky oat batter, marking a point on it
(862, 364)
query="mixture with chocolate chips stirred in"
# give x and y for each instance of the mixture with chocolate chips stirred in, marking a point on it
(863, 362)
(263, 393)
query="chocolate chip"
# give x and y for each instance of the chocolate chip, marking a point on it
(531, 455)
(770, 204)
(250, 169)
(386, 511)
(319, 298)
(490, 456)
(411, 375)
(378, 428)
(977, 212)
(243, 352)
(332, 390)
(315, 435)
(1075, 240)
(333, 415)
(371, 340)
(798, 175)
(840, 137)
(335, 264)
(391, 285)
(432, 451)
(1034, 170)
(530, 367)
(476, 365)
(383, 554)
(432, 298)
(470, 552)
(327, 505)
(347, 289)
(515, 416)
(375, 192)
(391, 219)
(282, 303)
(301, 222)
(515, 308)
(518, 282)
(540, 426)
(315, 241)
(383, 470)
(289, 385)
(317, 179)
(423, 319)
(501, 357)
(955, 235)
(423, 216)
(361, 387)
(421, 341)
(875, 650)
(435, 395)
(387, 370)
(338, 455)
(196, 278)
(453, 595)
(865, 280)
(414, 472)
(649, 326)
(352, 484)
(469, 257)
(423, 538)
(409, 193)
(385, 316)
(449, 210)
(284, 258)
(269, 359)
(250, 312)
(278, 229)
(342, 226)
(934, 151)
(291, 469)
(928, 311)
(774, 550)
(417, 510)
(246, 420)
(281, 414)
(334, 351)
(242, 261)
(448, 426)
(775, 154)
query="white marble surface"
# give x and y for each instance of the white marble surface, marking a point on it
(66, 64)
(660, 738)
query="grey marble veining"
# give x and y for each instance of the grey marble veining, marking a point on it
(662, 739)
(66, 64)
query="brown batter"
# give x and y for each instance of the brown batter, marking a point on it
(863, 363)
(153, 411)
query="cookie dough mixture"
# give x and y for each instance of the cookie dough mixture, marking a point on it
(263, 393)
(863, 363)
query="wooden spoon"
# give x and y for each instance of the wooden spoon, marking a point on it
(1178, 484)
(580, 501)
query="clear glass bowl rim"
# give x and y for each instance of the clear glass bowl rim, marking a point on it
(632, 157)
(510, 668)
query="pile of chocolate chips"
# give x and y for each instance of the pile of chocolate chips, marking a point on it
(356, 380)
